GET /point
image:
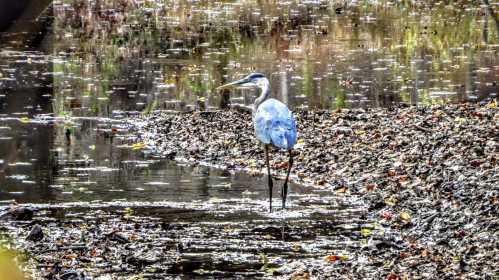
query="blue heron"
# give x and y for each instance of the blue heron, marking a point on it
(274, 125)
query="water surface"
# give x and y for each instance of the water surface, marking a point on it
(62, 106)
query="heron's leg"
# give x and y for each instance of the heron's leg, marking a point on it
(284, 193)
(269, 176)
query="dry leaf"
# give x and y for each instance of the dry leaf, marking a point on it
(138, 146)
(365, 232)
(405, 216)
(331, 258)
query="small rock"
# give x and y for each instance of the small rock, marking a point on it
(36, 234)
(73, 275)
(119, 237)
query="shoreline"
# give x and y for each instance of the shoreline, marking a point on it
(248, 156)
(420, 170)
(396, 193)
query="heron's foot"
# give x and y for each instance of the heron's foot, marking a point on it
(284, 194)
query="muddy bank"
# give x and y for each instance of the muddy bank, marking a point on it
(428, 175)
(199, 240)
(405, 193)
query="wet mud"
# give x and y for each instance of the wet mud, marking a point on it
(400, 193)
(427, 176)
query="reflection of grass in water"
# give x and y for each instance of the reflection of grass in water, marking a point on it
(307, 87)
(9, 269)
(337, 92)
(151, 106)
(212, 41)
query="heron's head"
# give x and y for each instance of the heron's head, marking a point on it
(250, 81)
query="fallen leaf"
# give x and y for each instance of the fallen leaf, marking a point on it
(281, 165)
(405, 216)
(138, 146)
(370, 187)
(392, 276)
(424, 253)
(402, 179)
(360, 132)
(300, 276)
(391, 201)
(296, 247)
(492, 104)
(387, 215)
(331, 258)
(365, 232)
(341, 190)
(134, 237)
(70, 256)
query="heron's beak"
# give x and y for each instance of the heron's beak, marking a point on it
(234, 84)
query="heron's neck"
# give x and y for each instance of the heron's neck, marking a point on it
(264, 93)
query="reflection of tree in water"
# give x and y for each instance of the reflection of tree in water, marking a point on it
(28, 143)
(197, 46)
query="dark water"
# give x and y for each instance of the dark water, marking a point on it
(83, 160)
(102, 61)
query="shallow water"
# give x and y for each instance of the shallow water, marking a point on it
(58, 161)
(120, 58)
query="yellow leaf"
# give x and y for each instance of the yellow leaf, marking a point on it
(296, 247)
(365, 232)
(492, 104)
(128, 213)
(138, 146)
(252, 171)
(228, 228)
(268, 236)
(344, 258)
(91, 147)
(360, 132)
(341, 190)
(391, 201)
(405, 216)
(24, 120)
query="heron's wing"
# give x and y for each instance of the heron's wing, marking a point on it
(274, 124)
(263, 125)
